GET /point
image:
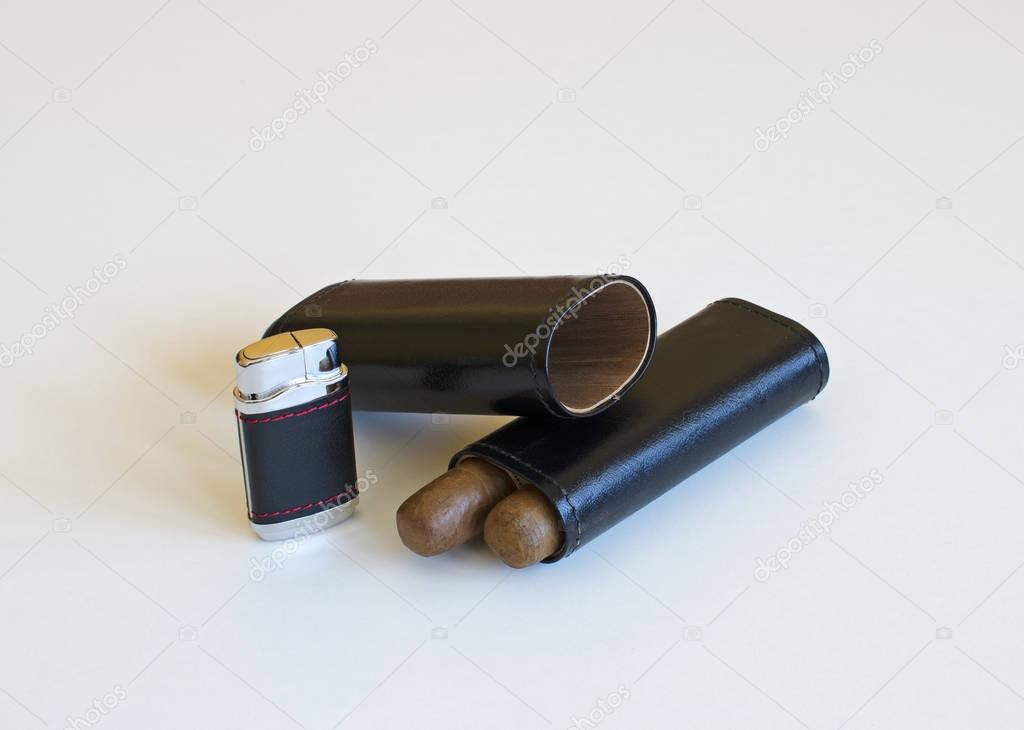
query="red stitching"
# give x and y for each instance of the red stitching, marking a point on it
(338, 496)
(291, 415)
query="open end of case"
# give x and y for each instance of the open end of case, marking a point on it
(599, 346)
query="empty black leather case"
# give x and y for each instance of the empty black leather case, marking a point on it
(566, 346)
(718, 378)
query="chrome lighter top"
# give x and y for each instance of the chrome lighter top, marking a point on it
(287, 369)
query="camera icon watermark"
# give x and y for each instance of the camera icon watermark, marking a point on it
(1013, 356)
(188, 203)
(944, 418)
(693, 203)
(439, 633)
(187, 418)
(566, 96)
(314, 310)
(188, 633)
(62, 525)
(439, 203)
(943, 633)
(818, 310)
(943, 203)
(693, 633)
(440, 419)
(62, 95)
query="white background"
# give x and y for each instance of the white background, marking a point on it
(560, 138)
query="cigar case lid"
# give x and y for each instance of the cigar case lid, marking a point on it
(565, 346)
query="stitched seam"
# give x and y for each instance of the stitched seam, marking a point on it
(338, 496)
(306, 412)
(791, 328)
(568, 501)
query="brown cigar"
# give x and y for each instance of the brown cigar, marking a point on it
(452, 508)
(523, 528)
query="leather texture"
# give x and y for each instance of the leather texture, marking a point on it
(717, 379)
(437, 345)
(300, 460)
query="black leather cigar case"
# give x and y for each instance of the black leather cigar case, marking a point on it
(564, 346)
(717, 378)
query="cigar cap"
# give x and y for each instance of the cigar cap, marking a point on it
(452, 508)
(524, 528)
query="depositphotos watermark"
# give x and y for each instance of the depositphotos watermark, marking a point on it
(100, 709)
(286, 548)
(815, 96)
(570, 307)
(820, 524)
(55, 315)
(599, 713)
(306, 99)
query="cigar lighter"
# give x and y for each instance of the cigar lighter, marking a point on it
(295, 433)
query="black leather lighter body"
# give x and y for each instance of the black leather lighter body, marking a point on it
(717, 378)
(565, 346)
(298, 461)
